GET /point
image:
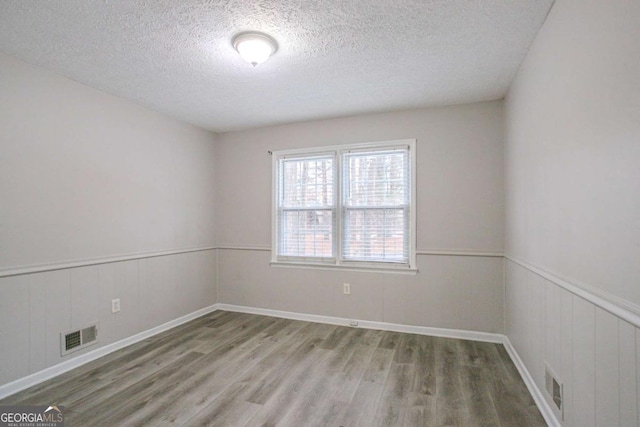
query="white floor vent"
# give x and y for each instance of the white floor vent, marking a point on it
(553, 386)
(78, 339)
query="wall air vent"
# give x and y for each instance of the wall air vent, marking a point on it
(72, 340)
(77, 339)
(89, 334)
(553, 387)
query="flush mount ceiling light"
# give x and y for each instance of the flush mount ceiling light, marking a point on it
(254, 47)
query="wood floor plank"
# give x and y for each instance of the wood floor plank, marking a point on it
(371, 338)
(512, 401)
(318, 404)
(218, 321)
(322, 414)
(132, 400)
(353, 372)
(407, 348)
(228, 410)
(450, 408)
(390, 340)
(334, 338)
(519, 395)
(314, 384)
(421, 410)
(221, 410)
(208, 383)
(482, 412)
(424, 381)
(234, 369)
(467, 353)
(156, 357)
(293, 365)
(107, 383)
(362, 407)
(392, 403)
(288, 388)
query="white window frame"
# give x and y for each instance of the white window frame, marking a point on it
(336, 262)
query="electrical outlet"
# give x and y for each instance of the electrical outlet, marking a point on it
(346, 288)
(115, 305)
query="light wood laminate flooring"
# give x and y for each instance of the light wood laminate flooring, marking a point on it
(233, 369)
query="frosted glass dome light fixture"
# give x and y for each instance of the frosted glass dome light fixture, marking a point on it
(254, 47)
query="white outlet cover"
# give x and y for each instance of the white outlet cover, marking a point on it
(346, 288)
(115, 305)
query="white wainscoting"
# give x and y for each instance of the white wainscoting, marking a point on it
(595, 353)
(153, 290)
(461, 292)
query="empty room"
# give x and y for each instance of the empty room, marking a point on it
(320, 213)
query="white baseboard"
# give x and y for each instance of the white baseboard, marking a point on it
(382, 326)
(538, 397)
(40, 376)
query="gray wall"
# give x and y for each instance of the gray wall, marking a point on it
(86, 175)
(573, 209)
(459, 210)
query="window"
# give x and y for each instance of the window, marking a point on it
(347, 206)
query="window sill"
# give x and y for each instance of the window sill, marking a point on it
(363, 268)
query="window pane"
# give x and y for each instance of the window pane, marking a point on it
(306, 233)
(376, 206)
(376, 178)
(307, 182)
(344, 205)
(375, 235)
(307, 207)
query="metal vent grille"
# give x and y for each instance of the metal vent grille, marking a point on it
(72, 340)
(557, 394)
(553, 387)
(89, 334)
(77, 339)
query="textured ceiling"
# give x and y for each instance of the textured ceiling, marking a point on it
(335, 58)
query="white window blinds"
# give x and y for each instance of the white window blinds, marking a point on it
(376, 206)
(307, 207)
(350, 206)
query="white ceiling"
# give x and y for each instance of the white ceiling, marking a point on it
(335, 58)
